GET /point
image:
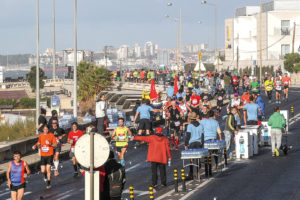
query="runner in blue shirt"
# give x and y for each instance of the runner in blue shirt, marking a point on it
(144, 112)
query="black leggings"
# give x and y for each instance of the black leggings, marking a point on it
(269, 94)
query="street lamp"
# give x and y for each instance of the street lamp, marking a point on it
(37, 89)
(75, 61)
(54, 49)
(180, 17)
(215, 13)
(177, 41)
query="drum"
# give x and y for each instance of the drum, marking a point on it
(194, 153)
(215, 144)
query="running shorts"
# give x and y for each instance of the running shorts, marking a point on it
(46, 160)
(16, 188)
(144, 124)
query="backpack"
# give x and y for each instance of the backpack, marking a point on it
(116, 179)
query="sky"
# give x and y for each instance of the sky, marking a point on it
(112, 22)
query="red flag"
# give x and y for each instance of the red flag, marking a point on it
(175, 85)
(153, 93)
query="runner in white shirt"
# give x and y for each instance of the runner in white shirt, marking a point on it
(278, 89)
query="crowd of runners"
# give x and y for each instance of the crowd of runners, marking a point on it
(195, 103)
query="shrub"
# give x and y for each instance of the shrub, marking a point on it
(19, 130)
(27, 103)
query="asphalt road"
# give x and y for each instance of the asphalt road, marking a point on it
(261, 177)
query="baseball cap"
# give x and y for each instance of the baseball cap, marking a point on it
(236, 94)
(158, 130)
(205, 97)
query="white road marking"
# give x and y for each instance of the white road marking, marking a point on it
(26, 193)
(133, 167)
(202, 184)
(4, 193)
(64, 193)
(64, 197)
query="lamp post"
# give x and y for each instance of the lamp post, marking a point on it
(215, 23)
(179, 34)
(75, 61)
(177, 41)
(54, 49)
(37, 89)
(260, 42)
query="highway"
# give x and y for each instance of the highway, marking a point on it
(261, 177)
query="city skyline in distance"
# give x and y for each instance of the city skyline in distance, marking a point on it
(113, 23)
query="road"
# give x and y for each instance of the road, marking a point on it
(261, 177)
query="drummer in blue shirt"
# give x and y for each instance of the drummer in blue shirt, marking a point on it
(211, 127)
(211, 131)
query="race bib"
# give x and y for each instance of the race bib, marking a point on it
(121, 137)
(72, 149)
(177, 123)
(286, 82)
(57, 140)
(45, 149)
(278, 88)
(220, 98)
(195, 101)
(269, 87)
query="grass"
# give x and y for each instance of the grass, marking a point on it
(17, 131)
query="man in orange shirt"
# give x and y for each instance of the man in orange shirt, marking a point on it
(47, 142)
(286, 84)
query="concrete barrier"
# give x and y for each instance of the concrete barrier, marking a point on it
(24, 146)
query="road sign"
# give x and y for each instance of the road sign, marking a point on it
(55, 103)
(82, 150)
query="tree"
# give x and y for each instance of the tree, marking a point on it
(91, 80)
(31, 78)
(189, 67)
(291, 62)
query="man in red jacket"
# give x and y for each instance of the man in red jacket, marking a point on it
(158, 154)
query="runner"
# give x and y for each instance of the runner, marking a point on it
(235, 102)
(195, 102)
(73, 136)
(269, 88)
(120, 134)
(254, 86)
(204, 113)
(278, 89)
(47, 142)
(286, 84)
(235, 83)
(245, 97)
(59, 133)
(16, 174)
(206, 103)
(175, 116)
(220, 93)
(144, 112)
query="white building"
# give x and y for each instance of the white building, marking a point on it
(137, 51)
(122, 52)
(242, 34)
(149, 49)
(68, 57)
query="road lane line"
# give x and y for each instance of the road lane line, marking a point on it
(4, 193)
(133, 167)
(64, 197)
